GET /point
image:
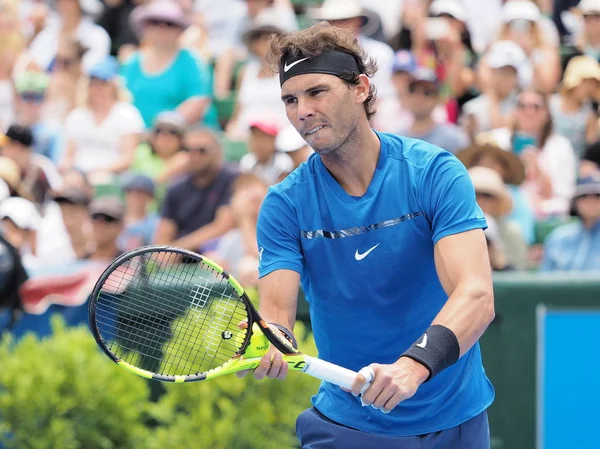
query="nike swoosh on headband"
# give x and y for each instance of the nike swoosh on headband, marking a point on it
(286, 67)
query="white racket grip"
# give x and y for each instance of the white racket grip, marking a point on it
(329, 372)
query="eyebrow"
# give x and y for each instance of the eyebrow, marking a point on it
(316, 87)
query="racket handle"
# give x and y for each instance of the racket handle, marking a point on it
(329, 372)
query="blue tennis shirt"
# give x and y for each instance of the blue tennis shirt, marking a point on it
(367, 269)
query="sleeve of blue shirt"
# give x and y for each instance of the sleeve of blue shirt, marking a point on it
(448, 197)
(278, 235)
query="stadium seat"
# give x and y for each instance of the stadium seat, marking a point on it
(107, 189)
(544, 228)
(225, 108)
(234, 149)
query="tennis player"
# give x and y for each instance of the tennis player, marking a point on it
(384, 234)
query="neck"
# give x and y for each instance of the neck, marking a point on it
(422, 125)
(205, 179)
(590, 223)
(103, 106)
(353, 163)
(106, 252)
(570, 103)
(593, 41)
(135, 214)
(70, 23)
(163, 52)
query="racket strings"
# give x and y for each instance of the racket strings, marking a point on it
(170, 316)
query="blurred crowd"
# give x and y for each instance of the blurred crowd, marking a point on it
(130, 122)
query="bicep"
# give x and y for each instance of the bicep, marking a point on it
(463, 258)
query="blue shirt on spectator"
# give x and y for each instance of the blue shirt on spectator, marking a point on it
(46, 141)
(139, 233)
(185, 78)
(572, 247)
(522, 214)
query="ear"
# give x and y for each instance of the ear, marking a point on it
(363, 88)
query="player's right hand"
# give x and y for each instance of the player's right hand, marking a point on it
(271, 364)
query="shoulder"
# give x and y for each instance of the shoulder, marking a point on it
(564, 234)
(415, 152)
(179, 185)
(188, 58)
(229, 173)
(558, 143)
(301, 176)
(77, 116)
(133, 61)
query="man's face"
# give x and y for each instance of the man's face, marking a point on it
(323, 109)
(106, 229)
(503, 80)
(422, 99)
(204, 152)
(29, 107)
(591, 27)
(137, 200)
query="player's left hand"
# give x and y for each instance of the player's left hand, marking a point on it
(392, 383)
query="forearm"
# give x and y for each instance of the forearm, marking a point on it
(248, 229)
(197, 238)
(468, 312)
(193, 109)
(278, 293)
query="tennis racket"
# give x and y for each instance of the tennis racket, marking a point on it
(173, 315)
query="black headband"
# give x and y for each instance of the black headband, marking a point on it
(330, 62)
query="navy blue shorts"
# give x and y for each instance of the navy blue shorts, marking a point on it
(316, 431)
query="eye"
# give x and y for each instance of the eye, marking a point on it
(314, 93)
(290, 100)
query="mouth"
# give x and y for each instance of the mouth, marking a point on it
(314, 130)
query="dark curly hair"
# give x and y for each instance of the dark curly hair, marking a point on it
(318, 39)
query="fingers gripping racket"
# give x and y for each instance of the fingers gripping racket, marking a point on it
(173, 315)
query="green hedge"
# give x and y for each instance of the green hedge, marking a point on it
(62, 392)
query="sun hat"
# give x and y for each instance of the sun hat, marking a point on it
(166, 10)
(21, 212)
(520, 10)
(338, 10)
(579, 69)
(515, 170)
(486, 180)
(453, 8)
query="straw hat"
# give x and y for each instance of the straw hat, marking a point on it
(10, 173)
(515, 170)
(579, 69)
(486, 180)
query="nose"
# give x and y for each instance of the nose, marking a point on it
(305, 109)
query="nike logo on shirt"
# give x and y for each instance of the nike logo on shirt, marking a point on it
(286, 67)
(359, 256)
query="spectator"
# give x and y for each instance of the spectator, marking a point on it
(237, 249)
(102, 135)
(576, 246)
(512, 171)
(405, 64)
(67, 83)
(16, 144)
(161, 157)
(192, 213)
(549, 158)
(73, 21)
(65, 232)
(496, 251)
(262, 160)
(289, 141)
(253, 11)
(107, 214)
(587, 42)
(590, 162)
(140, 222)
(10, 173)
(257, 88)
(162, 76)
(494, 199)
(11, 46)
(509, 69)
(31, 88)
(522, 24)
(349, 14)
(115, 20)
(572, 109)
(423, 96)
(20, 221)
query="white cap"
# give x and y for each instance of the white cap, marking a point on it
(21, 211)
(520, 10)
(288, 140)
(453, 8)
(510, 54)
(589, 6)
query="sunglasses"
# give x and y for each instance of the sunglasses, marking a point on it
(199, 150)
(535, 106)
(32, 97)
(65, 62)
(167, 131)
(590, 195)
(104, 218)
(485, 195)
(161, 23)
(592, 16)
(425, 92)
